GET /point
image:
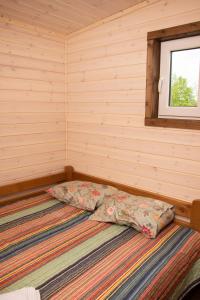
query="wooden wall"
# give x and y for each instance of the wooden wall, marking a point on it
(106, 103)
(106, 69)
(32, 102)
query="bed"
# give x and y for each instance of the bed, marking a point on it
(55, 248)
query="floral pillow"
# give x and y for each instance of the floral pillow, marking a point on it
(82, 194)
(146, 215)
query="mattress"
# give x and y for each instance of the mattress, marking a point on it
(53, 247)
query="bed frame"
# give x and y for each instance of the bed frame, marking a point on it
(187, 214)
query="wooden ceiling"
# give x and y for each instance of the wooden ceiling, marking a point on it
(64, 16)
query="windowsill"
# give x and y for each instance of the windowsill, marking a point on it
(173, 123)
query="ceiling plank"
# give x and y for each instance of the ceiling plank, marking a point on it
(64, 16)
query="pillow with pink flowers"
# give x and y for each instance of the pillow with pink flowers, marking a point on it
(82, 194)
(146, 215)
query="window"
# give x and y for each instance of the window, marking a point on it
(178, 85)
(173, 77)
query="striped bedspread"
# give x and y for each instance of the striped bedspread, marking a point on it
(56, 249)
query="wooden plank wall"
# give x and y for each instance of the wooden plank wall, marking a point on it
(106, 104)
(32, 103)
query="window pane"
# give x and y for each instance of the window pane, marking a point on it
(184, 81)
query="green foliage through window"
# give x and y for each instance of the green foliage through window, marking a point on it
(181, 93)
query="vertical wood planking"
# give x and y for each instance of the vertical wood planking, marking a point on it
(32, 103)
(106, 105)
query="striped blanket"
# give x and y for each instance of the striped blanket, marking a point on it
(55, 248)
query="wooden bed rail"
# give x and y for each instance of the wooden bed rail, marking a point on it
(20, 190)
(187, 213)
(195, 215)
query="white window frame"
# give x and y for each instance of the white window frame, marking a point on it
(164, 110)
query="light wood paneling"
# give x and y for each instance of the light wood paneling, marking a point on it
(106, 102)
(32, 139)
(31, 63)
(63, 16)
(105, 85)
(32, 103)
(18, 129)
(37, 107)
(106, 96)
(129, 177)
(31, 118)
(33, 171)
(13, 152)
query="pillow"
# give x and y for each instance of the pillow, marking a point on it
(146, 215)
(82, 194)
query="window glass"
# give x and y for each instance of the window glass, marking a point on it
(184, 78)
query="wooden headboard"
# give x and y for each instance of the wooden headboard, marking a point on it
(187, 213)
